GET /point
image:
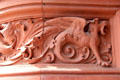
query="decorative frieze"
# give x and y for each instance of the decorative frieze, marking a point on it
(61, 40)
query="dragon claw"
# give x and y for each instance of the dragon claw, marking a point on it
(102, 63)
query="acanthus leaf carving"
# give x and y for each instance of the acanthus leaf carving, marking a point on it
(64, 40)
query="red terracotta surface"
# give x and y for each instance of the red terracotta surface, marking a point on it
(59, 39)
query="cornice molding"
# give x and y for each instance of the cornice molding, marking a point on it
(22, 9)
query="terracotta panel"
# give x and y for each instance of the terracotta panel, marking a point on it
(59, 39)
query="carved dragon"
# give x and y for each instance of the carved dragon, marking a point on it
(83, 40)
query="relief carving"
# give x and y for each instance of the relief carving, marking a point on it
(59, 40)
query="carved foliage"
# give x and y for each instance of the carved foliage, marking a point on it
(59, 40)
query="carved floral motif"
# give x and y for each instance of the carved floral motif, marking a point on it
(60, 40)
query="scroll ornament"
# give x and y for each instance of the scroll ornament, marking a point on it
(60, 40)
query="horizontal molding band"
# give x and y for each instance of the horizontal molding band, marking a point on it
(28, 69)
(109, 3)
(22, 9)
